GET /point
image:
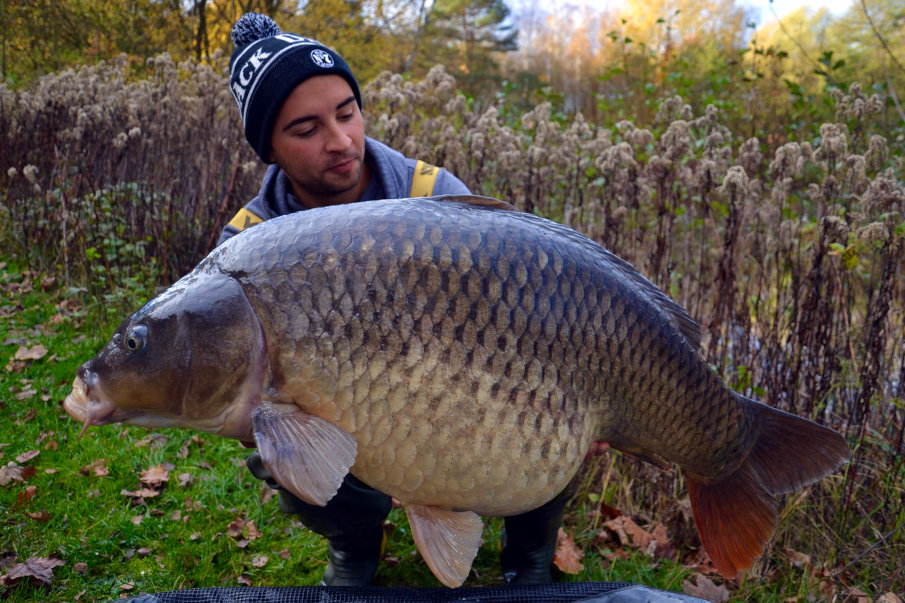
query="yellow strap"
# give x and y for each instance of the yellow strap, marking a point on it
(244, 219)
(423, 180)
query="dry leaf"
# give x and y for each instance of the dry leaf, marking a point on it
(242, 527)
(889, 598)
(244, 580)
(137, 519)
(155, 476)
(10, 472)
(42, 516)
(26, 495)
(705, 588)
(80, 568)
(798, 559)
(33, 353)
(38, 569)
(98, 468)
(856, 594)
(260, 561)
(185, 480)
(140, 494)
(27, 456)
(568, 556)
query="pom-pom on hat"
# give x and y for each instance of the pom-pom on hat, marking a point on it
(265, 68)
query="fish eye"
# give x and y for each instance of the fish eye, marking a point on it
(137, 338)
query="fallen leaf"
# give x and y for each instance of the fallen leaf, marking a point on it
(127, 586)
(260, 561)
(567, 556)
(38, 569)
(9, 472)
(98, 467)
(41, 516)
(705, 588)
(47, 282)
(155, 477)
(185, 480)
(244, 580)
(80, 568)
(33, 353)
(156, 440)
(27, 456)
(137, 519)
(242, 527)
(856, 594)
(26, 394)
(889, 598)
(798, 559)
(26, 495)
(140, 494)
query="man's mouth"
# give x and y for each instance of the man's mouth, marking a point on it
(344, 166)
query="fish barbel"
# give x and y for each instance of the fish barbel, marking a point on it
(457, 355)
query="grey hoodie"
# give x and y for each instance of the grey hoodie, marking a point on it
(392, 175)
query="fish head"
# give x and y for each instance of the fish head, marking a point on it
(194, 356)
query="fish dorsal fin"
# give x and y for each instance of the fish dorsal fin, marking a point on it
(476, 201)
(448, 540)
(305, 454)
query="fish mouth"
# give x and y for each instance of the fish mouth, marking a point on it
(92, 408)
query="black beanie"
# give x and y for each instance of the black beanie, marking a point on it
(265, 68)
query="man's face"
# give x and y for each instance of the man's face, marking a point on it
(318, 140)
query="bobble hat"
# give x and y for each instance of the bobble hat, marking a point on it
(265, 68)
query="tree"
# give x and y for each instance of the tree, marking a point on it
(467, 36)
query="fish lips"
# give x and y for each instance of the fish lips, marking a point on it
(88, 405)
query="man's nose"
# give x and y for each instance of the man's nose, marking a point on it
(337, 139)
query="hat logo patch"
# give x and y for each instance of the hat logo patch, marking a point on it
(321, 58)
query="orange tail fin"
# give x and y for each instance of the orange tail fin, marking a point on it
(736, 516)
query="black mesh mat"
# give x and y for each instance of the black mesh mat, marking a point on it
(563, 592)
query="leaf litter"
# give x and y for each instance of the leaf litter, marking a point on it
(37, 569)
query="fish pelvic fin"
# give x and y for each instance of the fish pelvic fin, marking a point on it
(305, 454)
(448, 540)
(736, 516)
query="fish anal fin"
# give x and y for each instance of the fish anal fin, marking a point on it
(448, 540)
(307, 455)
(736, 515)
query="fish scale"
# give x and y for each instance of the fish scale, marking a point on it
(457, 355)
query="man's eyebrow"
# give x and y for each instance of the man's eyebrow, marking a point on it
(303, 119)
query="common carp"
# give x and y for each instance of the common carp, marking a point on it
(457, 355)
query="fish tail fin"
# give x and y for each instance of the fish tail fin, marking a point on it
(737, 515)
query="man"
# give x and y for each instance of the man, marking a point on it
(301, 109)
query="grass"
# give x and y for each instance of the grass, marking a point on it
(198, 531)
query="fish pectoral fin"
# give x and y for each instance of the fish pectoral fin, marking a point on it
(307, 455)
(448, 540)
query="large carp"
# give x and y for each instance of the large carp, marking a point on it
(457, 355)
